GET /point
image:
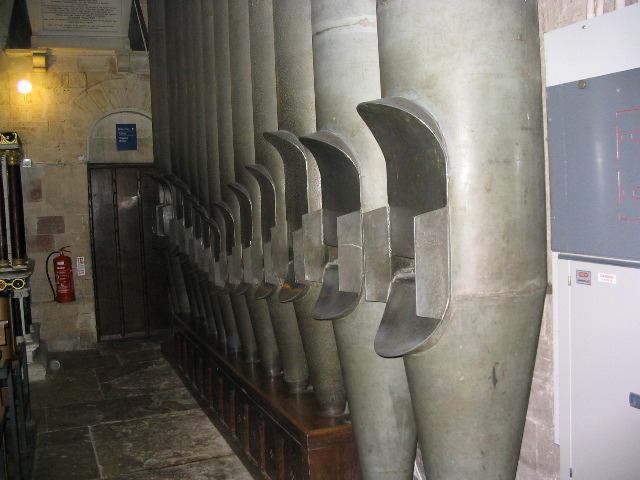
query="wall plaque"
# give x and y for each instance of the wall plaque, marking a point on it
(72, 15)
(102, 24)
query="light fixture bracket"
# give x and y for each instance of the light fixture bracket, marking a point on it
(39, 58)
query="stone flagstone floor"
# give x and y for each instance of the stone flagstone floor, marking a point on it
(121, 412)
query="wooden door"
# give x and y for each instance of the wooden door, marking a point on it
(130, 284)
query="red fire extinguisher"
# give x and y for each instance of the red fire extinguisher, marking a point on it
(65, 291)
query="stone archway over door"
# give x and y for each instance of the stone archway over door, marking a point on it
(101, 144)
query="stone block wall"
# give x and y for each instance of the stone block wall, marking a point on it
(54, 122)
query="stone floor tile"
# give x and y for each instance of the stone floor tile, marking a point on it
(155, 442)
(176, 400)
(65, 455)
(124, 404)
(140, 406)
(126, 358)
(73, 416)
(39, 418)
(221, 468)
(83, 360)
(130, 346)
(119, 409)
(66, 388)
(75, 354)
(137, 379)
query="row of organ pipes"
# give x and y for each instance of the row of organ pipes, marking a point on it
(353, 195)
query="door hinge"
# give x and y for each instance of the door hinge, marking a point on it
(569, 280)
(571, 473)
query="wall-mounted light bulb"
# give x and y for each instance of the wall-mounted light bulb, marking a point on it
(24, 86)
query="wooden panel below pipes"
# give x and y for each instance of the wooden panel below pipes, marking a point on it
(278, 435)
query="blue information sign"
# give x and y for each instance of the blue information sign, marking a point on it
(126, 136)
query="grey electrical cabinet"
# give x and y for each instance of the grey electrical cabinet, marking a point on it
(599, 369)
(593, 106)
(594, 151)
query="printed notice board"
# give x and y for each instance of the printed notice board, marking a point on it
(126, 136)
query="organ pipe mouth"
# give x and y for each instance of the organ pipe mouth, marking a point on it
(416, 161)
(229, 221)
(240, 289)
(401, 330)
(246, 225)
(332, 303)
(338, 171)
(294, 159)
(267, 199)
(417, 188)
(263, 291)
(291, 290)
(215, 241)
(340, 191)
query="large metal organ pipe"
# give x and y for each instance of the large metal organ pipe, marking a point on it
(318, 340)
(238, 288)
(466, 314)
(265, 182)
(296, 93)
(286, 16)
(257, 307)
(200, 84)
(242, 119)
(185, 162)
(172, 88)
(159, 84)
(212, 251)
(229, 207)
(225, 163)
(285, 324)
(210, 101)
(353, 178)
(181, 225)
(200, 202)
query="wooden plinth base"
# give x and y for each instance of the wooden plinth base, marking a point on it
(279, 433)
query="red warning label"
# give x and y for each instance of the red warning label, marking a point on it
(583, 277)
